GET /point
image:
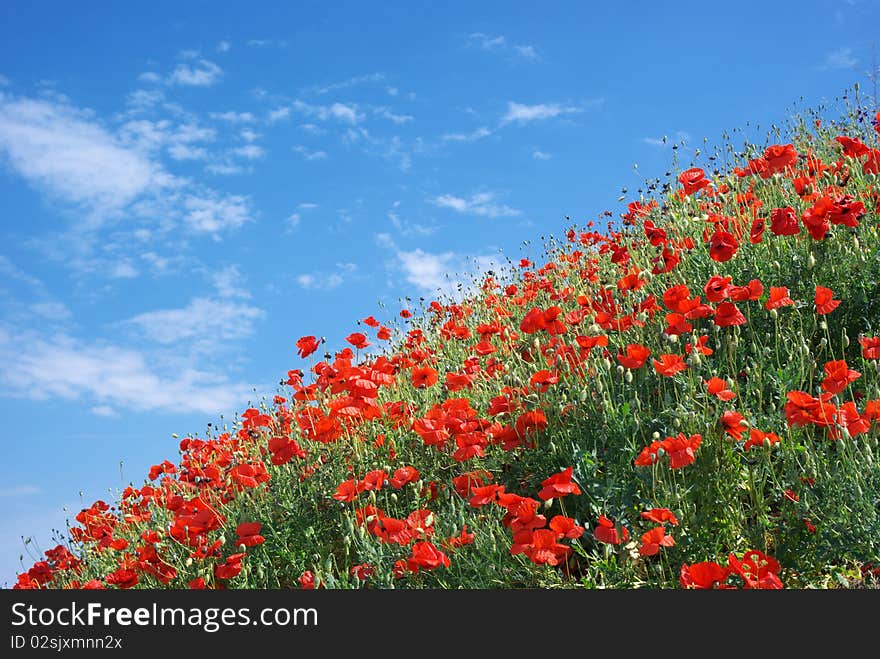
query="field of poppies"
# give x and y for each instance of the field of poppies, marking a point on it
(685, 395)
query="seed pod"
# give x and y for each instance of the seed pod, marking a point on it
(811, 261)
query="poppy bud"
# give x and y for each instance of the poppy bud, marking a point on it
(811, 261)
(774, 314)
(628, 376)
(655, 436)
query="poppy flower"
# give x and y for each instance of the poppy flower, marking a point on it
(681, 449)
(870, 347)
(559, 485)
(423, 377)
(565, 527)
(542, 380)
(544, 549)
(678, 298)
(653, 540)
(733, 424)
(816, 218)
(249, 534)
(693, 180)
(718, 388)
(852, 147)
(404, 475)
(837, 376)
(307, 580)
(825, 303)
(669, 364)
(700, 346)
(606, 531)
(726, 314)
(659, 515)
(802, 409)
(722, 246)
(778, 298)
(426, 556)
(358, 340)
(757, 570)
(758, 438)
(756, 234)
(784, 222)
(780, 156)
(229, 568)
(704, 576)
(750, 292)
(717, 288)
(635, 356)
(460, 540)
(306, 345)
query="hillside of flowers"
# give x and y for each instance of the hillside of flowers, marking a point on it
(686, 395)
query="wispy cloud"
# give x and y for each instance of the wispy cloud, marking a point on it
(326, 281)
(204, 324)
(522, 114)
(267, 43)
(223, 47)
(308, 154)
(481, 203)
(249, 151)
(233, 117)
(537, 154)
(500, 45)
(19, 491)
(386, 113)
(339, 111)
(368, 79)
(213, 213)
(102, 374)
(842, 58)
(201, 73)
(473, 136)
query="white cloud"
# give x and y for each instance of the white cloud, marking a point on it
(392, 91)
(233, 117)
(370, 78)
(250, 136)
(201, 74)
(103, 410)
(215, 213)
(445, 273)
(307, 205)
(308, 154)
(223, 168)
(520, 113)
(267, 43)
(226, 281)
(322, 282)
(340, 111)
(294, 220)
(249, 151)
(204, 322)
(150, 76)
(122, 270)
(278, 114)
(842, 58)
(500, 45)
(56, 148)
(47, 368)
(481, 203)
(385, 113)
(51, 310)
(142, 99)
(486, 41)
(186, 152)
(410, 228)
(537, 154)
(473, 136)
(223, 47)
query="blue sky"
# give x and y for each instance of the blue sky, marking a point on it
(188, 187)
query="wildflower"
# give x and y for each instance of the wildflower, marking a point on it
(607, 532)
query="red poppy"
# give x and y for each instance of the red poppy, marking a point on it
(607, 532)
(750, 292)
(306, 345)
(784, 222)
(816, 218)
(404, 475)
(759, 438)
(426, 556)
(726, 314)
(460, 540)
(678, 298)
(635, 357)
(734, 424)
(780, 156)
(307, 580)
(717, 288)
(693, 180)
(718, 388)
(249, 534)
(778, 298)
(837, 376)
(660, 515)
(669, 364)
(722, 246)
(870, 347)
(681, 449)
(565, 527)
(559, 485)
(424, 377)
(542, 380)
(705, 576)
(358, 340)
(653, 540)
(757, 570)
(852, 147)
(825, 303)
(757, 232)
(229, 568)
